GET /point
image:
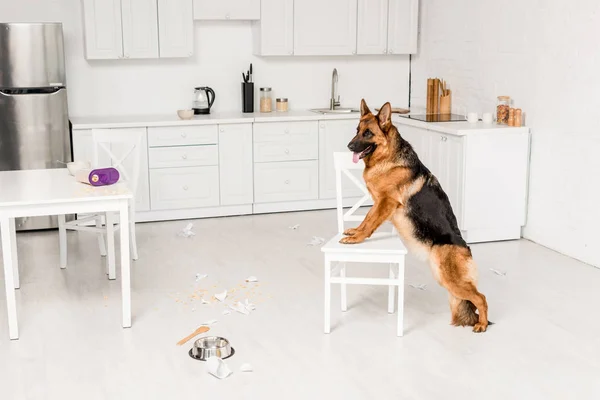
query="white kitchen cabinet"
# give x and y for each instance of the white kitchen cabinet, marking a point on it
(175, 28)
(188, 187)
(403, 25)
(227, 9)
(334, 136)
(83, 150)
(103, 32)
(273, 34)
(372, 32)
(484, 174)
(140, 28)
(286, 181)
(325, 27)
(235, 164)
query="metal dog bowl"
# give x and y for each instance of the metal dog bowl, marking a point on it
(210, 346)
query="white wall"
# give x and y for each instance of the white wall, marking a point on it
(546, 56)
(222, 51)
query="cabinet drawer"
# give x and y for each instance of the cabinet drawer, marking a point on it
(286, 132)
(286, 181)
(183, 156)
(274, 151)
(182, 135)
(189, 187)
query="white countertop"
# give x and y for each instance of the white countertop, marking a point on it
(457, 128)
(134, 121)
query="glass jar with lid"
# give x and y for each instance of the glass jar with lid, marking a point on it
(502, 109)
(266, 100)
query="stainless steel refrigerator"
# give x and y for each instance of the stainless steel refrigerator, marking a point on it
(34, 121)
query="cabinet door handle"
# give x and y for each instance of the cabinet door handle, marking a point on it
(227, 16)
(222, 129)
(287, 181)
(384, 51)
(322, 126)
(391, 51)
(443, 138)
(287, 131)
(184, 134)
(185, 187)
(287, 151)
(184, 156)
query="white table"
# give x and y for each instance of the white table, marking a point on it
(34, 193)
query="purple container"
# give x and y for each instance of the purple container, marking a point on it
(104, 176)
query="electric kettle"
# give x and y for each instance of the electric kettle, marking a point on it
(204, 97)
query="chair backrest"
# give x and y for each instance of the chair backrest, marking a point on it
(343, 165)
(123, 148)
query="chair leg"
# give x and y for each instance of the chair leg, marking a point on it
(327, 314)
(15, 260)
(62, 241)
(401, 297)
(133, 239)
(101, 237)
(391, 292)
(110, 241)
(343, 288)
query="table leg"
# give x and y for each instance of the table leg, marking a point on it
(15, 255)
(11, 304)
(125, 264)
(110, 245)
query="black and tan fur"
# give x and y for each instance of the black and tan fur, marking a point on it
(405, 192)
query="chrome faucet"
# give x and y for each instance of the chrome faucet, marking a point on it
(333, 103)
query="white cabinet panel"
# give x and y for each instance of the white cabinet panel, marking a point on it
(235, 164)
(175, 28)
(403, 26)
(334, 136)
(182, 135)
(273, 34)
(189, 187)
(325, 27)
(286, 181)
(140, 28)
(183, 156)
(285, 131)
(372, 35)
(451, 171)
(227, 9)
(102, 27)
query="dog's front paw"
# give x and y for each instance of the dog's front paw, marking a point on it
(479, 328)
(352, 239)
(350, 232)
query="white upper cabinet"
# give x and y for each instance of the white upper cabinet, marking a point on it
(273, 35)
(372, 35)
(175, 28)
(325, 27)
(403, 26)
(103, 34)
(140, 28)
(227, 9)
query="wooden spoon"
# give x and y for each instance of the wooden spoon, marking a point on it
(197, 332)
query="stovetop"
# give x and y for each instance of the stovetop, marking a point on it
(435, 117)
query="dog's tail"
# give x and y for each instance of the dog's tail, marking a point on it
(466, 315)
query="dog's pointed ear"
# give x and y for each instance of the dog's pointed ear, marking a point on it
(385, 117)
(364, 109)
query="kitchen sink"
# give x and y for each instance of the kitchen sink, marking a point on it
(338, 110)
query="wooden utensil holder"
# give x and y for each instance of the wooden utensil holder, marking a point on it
(445, 103)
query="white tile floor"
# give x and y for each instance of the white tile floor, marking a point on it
(545, 343)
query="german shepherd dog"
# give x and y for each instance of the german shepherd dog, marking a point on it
(405, 192)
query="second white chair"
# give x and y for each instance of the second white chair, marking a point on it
(128, 145)
(381, 247)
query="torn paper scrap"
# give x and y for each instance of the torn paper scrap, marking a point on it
(217, 367)
(209, 323)
(498, 272)
(221, 296)
(187, 231)
(294, 227)
(246, 368)
(226, 312)
(204, 301)
(315, 241)
(199, 277)
(249, 306)
(251, 279)
(420, 287)
(240, 307)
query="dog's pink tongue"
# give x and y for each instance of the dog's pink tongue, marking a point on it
(355, 157)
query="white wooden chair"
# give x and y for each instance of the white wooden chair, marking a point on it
(381, 247)
(127, 145)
